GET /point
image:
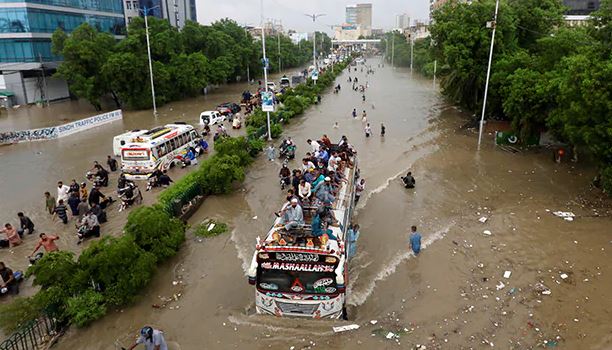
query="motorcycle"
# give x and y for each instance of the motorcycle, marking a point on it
(287, 150)
(129, 195)
(95, 179)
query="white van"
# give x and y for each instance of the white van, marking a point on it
(211, 118)
(120, 140)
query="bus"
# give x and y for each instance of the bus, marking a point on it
(156, 149)
(298, 275)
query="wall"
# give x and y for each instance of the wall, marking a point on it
(54, 132)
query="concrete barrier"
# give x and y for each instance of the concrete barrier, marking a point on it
(54, 132)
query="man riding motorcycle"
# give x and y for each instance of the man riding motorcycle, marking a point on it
(285, 176)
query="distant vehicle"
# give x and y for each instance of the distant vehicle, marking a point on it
(285, 82)
(359, 60)
(272, 86)
(211, 118)
(326, 61)
(158, 148)
(120, 140)
(228, 108)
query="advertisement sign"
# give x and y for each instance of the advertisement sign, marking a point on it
(267, 101)
(315, 75)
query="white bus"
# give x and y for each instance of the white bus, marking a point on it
(156, 149)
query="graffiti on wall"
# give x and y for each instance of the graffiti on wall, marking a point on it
(54, 132)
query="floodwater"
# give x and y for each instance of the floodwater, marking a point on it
(449, 297)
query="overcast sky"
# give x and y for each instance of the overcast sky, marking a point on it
(291, 12)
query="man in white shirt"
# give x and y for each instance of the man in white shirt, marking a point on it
(314, 144)
(63, 192)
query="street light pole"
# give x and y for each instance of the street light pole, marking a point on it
(279, 54)
(246, 35)
(145, 11)
(314, 17)
(265, 62)
(484, 102)
(393, 49)
(411, 52)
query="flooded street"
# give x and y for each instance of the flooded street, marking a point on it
(452, 296)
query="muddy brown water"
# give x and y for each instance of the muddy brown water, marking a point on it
(447, 297)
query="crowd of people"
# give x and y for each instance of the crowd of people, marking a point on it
(315, 186)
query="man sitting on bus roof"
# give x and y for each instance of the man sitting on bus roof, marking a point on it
(292, 216)
(324, 191)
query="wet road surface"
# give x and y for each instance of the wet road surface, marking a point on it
(450, 296)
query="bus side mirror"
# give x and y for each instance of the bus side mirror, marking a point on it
(251, 280)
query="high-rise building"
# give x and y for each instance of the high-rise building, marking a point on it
(177, 12)
(402, 21)
(26, 26)
(360, 14)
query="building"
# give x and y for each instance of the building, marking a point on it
(177, 12)
(26, 61)
(419, 30)
(579, 11)
(348, 31)
(402, 21)
(581, 7)
(361, 16)
(131, 9)
(297, 37)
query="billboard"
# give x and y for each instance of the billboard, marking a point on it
(267, 101)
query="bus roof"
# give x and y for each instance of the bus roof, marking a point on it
(341, 208)
(160, 133)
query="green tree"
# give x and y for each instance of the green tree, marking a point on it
(85, 51)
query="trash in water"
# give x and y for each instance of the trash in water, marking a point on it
(255, 217)
(512, 291)
(374, 322)
(550, 343)
(547, 292)
(349, 327)
(483, 219)
(211, 226)
(487, 232)
(174, 283)
(564, 276)
(390, 335)
(507, 274)
(565, 215)
(500, 286)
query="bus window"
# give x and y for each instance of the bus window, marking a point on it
(194, 135)
(173, 144)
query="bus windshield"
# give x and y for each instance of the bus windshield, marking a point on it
(297, 282)
(135, 154)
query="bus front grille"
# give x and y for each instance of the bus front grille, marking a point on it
(303, 309)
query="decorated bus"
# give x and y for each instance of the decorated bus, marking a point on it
(157, 148)
(298, 273)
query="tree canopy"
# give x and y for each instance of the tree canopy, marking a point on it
(545, 75)
(184, 61)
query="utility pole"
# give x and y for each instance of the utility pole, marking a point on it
(484, 102)
(314, 17)
(411, 52)
(265, 62)
(279, 54)
(42, 68)
(393, 49)
(145, 11)
(246, 35)
(434, 77)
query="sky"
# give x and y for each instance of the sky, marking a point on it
(291, 12)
